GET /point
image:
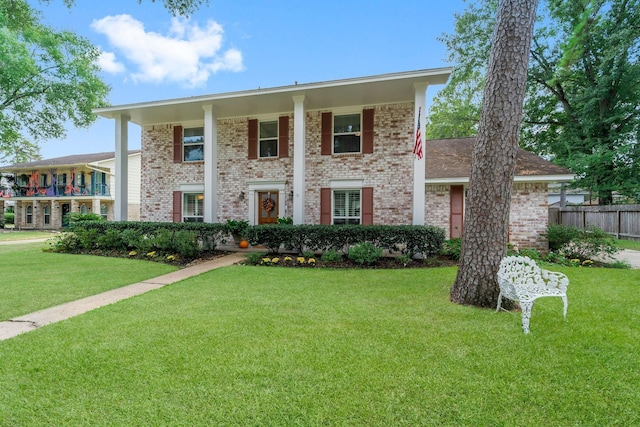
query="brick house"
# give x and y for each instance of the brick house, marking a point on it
(321, 153)
(44, 191)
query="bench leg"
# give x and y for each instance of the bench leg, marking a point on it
(499, 301)
(526, 307)
(566, 304)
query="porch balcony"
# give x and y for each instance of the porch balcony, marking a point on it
(91, 190)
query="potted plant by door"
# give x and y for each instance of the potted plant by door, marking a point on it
(237, 229)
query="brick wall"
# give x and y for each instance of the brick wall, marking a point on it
(528, 215)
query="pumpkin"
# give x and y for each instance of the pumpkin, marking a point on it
(243, 244)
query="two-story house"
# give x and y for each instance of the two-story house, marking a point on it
(44, 191)
(336, 152)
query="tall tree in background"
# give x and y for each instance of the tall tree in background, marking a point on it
(583, 103)
(176, 7)
(494, 156)
(583, 94)
(47, 79)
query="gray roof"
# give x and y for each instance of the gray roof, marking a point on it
(451, 158)
(75, 159)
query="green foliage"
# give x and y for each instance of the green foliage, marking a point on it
(64, 242)
(48, 79)
(365, 253)
(331, 255)
(409, 240)
(452, 248)
(237, 227)
(75, 217)
(582, 93)
(253, 258)
(9, 218)
(285, 221)
(577, 243)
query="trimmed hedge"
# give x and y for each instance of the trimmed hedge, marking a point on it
(409, 240)
(188, 239)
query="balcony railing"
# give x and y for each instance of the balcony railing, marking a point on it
(57, 191)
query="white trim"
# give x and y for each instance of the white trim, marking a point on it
(346, 184)
(419, 165)
(190, 188)
(256, 186)
(299, 167)
(520, 178)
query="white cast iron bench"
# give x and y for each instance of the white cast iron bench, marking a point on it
(521, 280)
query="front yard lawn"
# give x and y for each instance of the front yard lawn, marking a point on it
(253, 346)
(33, 280)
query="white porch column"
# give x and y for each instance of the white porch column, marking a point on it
(121, 208)
(299, 184)
(210, 165)
(419, 166)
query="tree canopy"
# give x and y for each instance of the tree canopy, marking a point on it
(176, 7)
(582, 108)
(48, 79)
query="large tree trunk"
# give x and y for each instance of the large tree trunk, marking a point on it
(494, 156)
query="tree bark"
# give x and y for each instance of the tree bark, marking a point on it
(494, 156)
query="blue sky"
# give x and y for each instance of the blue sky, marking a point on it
(240, 45)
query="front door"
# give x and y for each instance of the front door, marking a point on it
(267, 207)
(66, 207)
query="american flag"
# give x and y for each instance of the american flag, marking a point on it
(417, 147)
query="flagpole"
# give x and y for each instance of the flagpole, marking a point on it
(419, 168)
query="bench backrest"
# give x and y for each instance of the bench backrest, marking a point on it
(519, 276)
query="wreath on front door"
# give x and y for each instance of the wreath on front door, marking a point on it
(268, 204)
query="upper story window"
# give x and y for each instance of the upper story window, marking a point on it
(193, 144)
(346, 133)
(346, 207)
(268, 139)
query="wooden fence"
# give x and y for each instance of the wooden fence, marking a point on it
(622, 221)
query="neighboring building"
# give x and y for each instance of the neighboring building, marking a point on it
(322, 153)
(43, 191)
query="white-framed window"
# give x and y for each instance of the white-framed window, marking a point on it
(268, 139)
(103, 211)
(192, 207)
(83, 209)
(46, 212)
(347, 207)
(193, 144)
(29, 214)
(346, 133)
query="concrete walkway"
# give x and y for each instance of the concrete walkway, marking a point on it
(18, 325)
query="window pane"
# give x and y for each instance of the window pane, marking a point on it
(339, 203)
(346, 144)
(269, 148)
(346, 123)
(193, 153)
(194, 136)
(268, 129)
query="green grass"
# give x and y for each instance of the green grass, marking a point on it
(628, 244)
(12, 236)
(33, 280)
(253, 346)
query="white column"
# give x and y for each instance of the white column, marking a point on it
(419, 166)
(210, 165)
(299, 184)
(121, 208)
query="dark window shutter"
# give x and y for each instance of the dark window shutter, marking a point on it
(327, 134)
(325, 206)
(177, 144)
(253, 139)
(367, 205)
(283, 136)
(177, 206)
(367, 131)
(456, 207)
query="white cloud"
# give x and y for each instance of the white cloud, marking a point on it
(107, 61)
(188, 54)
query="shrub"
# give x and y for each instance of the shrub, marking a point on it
(255, 258)
(76, 217)
(331, 255)
(111, 239)
(64, 242)
(365, 253)
(582, 244)
(452, 248)
(9, 218)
